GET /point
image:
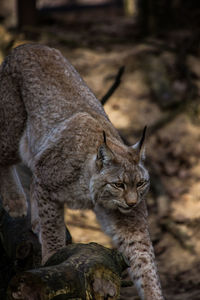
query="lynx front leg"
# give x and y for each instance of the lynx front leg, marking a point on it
(12, 193)
(52, 233)
(131, 236)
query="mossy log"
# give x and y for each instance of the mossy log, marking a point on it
(79, 271)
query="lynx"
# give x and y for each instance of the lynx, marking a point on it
(50, 120)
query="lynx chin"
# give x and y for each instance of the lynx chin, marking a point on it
(50, 120)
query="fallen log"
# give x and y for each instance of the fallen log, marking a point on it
(79, 271)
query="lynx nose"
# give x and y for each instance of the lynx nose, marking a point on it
(131, 199)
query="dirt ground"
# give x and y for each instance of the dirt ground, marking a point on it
(160, 89)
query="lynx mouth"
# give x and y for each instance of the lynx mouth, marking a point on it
(125, 209)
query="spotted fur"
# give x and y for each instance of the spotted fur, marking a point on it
(51, 121)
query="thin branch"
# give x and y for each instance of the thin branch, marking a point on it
(114, 86)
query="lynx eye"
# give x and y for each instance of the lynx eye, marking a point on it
(119, 185)
(140, 183)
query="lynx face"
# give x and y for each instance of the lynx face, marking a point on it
(115, 187)
(121, 181)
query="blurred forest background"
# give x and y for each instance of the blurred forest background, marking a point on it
(157, 41)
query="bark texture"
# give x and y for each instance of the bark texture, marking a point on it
(78, 271)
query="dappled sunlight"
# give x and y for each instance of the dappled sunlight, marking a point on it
(188, 207)
(84, 228)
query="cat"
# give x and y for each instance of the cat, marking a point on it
(50, 120)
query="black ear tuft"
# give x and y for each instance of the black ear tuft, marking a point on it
(142, 138)
(104, 137)
(139, 146)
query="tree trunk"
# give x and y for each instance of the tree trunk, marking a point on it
(154, 16)
(130, 7)
(27, 13)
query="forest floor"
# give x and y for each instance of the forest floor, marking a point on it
(160, 89)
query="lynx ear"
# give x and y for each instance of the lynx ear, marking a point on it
(139, 146)
(104, 154)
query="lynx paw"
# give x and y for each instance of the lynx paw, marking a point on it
(16, 207)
